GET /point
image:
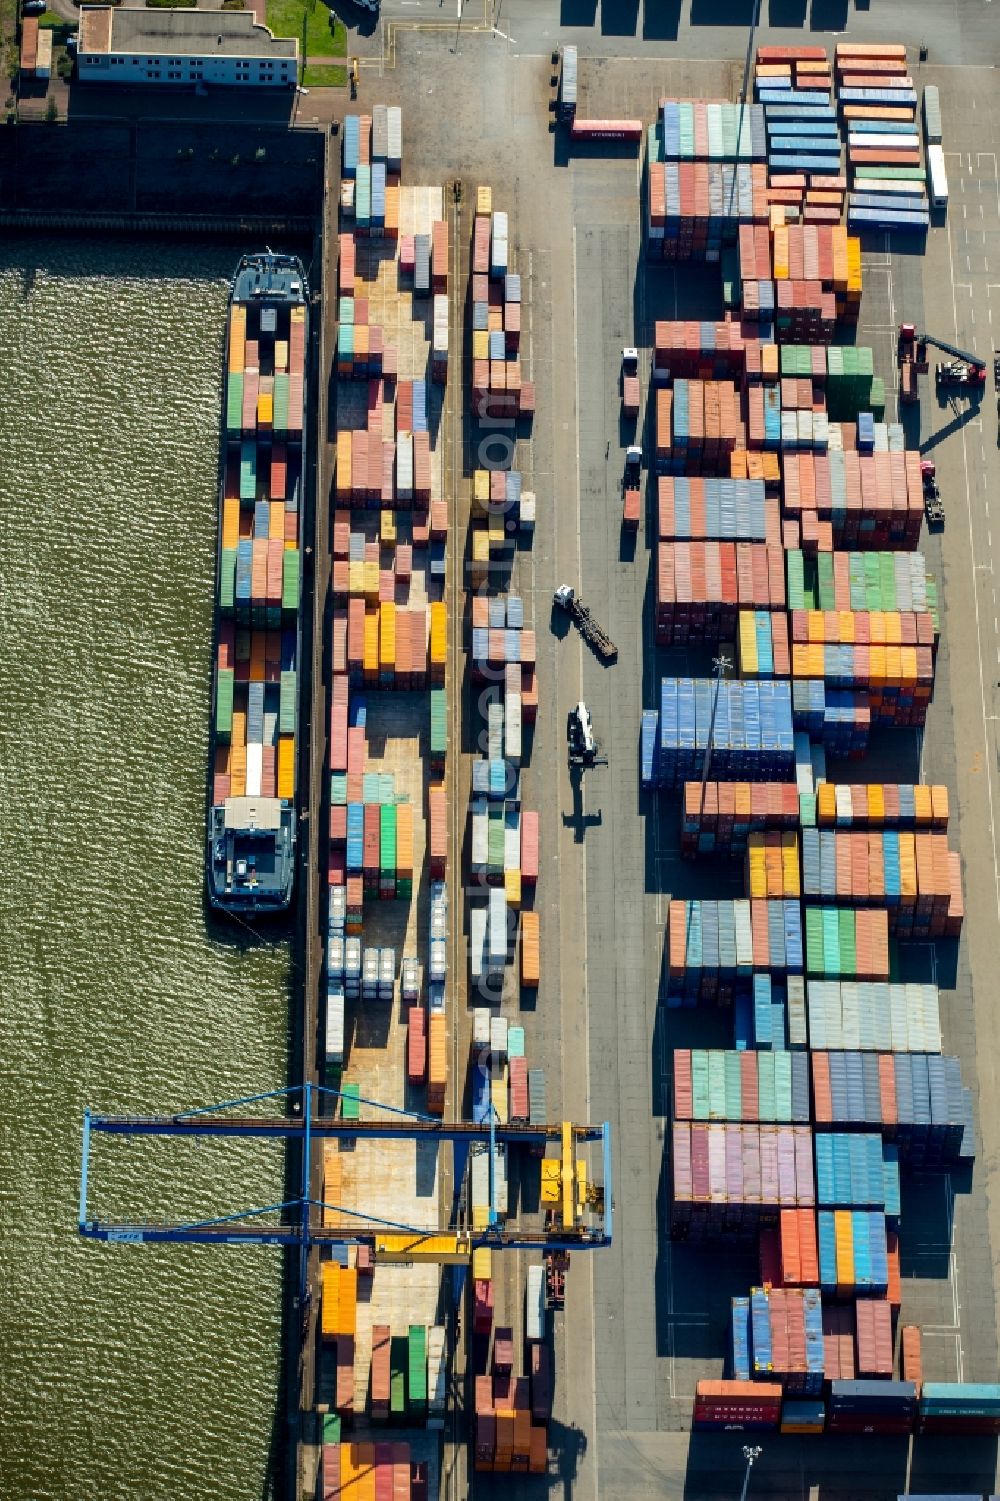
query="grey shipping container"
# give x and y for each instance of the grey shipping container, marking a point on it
(932, 115)
(536, 1097)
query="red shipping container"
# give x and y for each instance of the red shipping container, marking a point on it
(541, 1383)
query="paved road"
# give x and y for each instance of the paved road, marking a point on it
(955, 31)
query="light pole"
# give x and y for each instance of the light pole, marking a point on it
(750, 1453)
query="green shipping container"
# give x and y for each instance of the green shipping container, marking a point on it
(404, 889)
(280, 403)
(397, 1375)
(286, 710)
(782, 1086)
(495, 847)
(765, 1087)
(224, 684)
(290, 579)
(248, 469)
(439, 721)
(701, 1102)
(807, 810)
(331, 1428)
(338, 788)
(734, 1087)
(387, 837)
(350, 1099)
(386, 787)
(848, 957)
(417, 1369)
(227, 580)
(234, 403)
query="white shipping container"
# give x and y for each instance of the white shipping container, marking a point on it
(334, 1048)
(395, 135)
(888, 142)
(438, 963)
(937, 178)
(255, 769)
(352, 958)
(534, 1312)
(437, 1372)
(337, 909)
(481, 1014)
(527, 515)
(500, 1178)
(498, 1034)
(380, 133)
(404, 466)
(479, 1178)
(512, 726)
(494, 731)
(512, 842)
(335, 957)
(498, 936)
(478, 919)
(480, 839)
(498, 225)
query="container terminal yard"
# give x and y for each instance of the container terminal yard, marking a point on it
(741, 907)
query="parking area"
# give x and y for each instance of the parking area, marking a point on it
(645, 1320)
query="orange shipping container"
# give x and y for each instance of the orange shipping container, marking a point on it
(530, 948)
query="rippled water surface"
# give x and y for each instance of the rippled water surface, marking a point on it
(126, 1372)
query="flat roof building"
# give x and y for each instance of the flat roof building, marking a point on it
(136, 45)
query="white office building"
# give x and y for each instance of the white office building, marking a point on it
(135, 45)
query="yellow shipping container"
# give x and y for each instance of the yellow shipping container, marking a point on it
(498, 1097)
(480, 1216)
(497, 532)
(332, 1185)
(481, 483)
(371, 578)
(551, 1180)
(439, 633)
(876, 802)
(330, 1295)
(756, 871)
(907, 866)
(370, 659)
(286, 766)
(844, 1240)
(387, 637)
(281, 355)
(437, 1051)
(239, 732)
(748, 642)
(392, 210)
(791, 876)
(853, 268)
(846, 623)
(780, 239)
(922, 805)
(387, 528)
(480, 545)
(939, 803)
(404, 839)
(480, 344)
(265, 409)
(356, 577)
(276, 519)
(840, 262)
(482, 1264)
(776, 216)
(484, 200)
(237, 338)
(230, 523)
(826, 802)
(769, 361)
(512, 887)
(344, 463)
(348, 1301)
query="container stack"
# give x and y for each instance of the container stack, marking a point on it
(731, 1180)
(749, 725)
(878, 105)
(497, 384)
(706, 176)
(712, 946)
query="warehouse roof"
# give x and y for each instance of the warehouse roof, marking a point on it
(179, 33)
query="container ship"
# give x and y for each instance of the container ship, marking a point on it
(251, 814)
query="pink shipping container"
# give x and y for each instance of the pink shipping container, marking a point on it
(518, 1089)
(529, 845)
(541, 1383)
(331, 1472)
(503, 1351)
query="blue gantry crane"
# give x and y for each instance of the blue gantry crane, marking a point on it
(582, 1221)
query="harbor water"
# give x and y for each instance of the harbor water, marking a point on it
(128, 1371)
